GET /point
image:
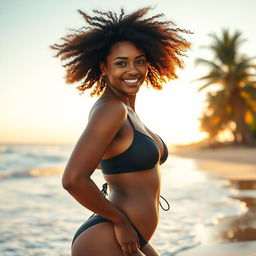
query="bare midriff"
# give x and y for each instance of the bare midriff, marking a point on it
(137, 195)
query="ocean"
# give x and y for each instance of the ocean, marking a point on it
(38, 217)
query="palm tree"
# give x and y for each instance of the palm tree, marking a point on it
(216, 116)
(236, 100)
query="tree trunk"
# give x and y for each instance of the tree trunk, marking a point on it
(236, 137)
(239, 114)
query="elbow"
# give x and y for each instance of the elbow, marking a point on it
(67, 184)
(70, 182)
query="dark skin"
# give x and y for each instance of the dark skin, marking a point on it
(133, 196)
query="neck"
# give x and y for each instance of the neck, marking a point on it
(128, 100)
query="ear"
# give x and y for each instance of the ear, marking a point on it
(103, 69)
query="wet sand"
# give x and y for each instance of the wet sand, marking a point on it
(234, 249)
(234, 235)
(228, 163)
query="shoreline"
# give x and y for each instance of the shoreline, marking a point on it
(226, 249)
(227, 163)
(234, 235)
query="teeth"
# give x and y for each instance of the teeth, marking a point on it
(131, 80)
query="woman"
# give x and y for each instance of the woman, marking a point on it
(115, 56)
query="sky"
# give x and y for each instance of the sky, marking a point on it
(37, 106)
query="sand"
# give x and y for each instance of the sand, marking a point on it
(236, 165)
(228, 163)
(228, 249)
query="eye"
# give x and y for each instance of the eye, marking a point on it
(120, 63)
(141, 61)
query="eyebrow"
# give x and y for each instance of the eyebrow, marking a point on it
(125, 58)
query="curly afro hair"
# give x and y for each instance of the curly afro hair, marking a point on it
(87, 47)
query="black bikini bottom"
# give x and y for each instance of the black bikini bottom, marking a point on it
(98, 219)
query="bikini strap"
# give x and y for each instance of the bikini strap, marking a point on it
(130, 121)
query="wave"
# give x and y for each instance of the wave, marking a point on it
(46, 157)
(33, 172)
(6, 150)
(34, 155)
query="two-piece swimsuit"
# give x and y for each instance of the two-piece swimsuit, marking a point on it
(142, 154)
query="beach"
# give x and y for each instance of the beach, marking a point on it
(38, 217)
(232, 235)
(229, 162)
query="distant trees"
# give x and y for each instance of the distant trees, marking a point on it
(233, 106)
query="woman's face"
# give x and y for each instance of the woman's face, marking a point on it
(126, 68)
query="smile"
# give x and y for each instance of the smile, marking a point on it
(131, 81)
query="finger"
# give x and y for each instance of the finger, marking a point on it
(130, 248)
(138, 244)
(124, 250)
(135, 247)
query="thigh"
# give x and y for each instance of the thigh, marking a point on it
(149, 250)
(98, 240)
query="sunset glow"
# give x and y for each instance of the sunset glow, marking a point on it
(38, 107)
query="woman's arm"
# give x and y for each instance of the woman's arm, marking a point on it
(105, 121)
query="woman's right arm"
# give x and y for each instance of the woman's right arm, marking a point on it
(105, 121)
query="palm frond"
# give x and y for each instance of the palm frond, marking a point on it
(207, 62)
(207, 84)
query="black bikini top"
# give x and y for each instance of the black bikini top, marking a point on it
(142, 154)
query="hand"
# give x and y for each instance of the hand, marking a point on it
(127, 237)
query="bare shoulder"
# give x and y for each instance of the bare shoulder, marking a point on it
(105, 120)
(108, 111)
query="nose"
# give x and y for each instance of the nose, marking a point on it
(132, 71)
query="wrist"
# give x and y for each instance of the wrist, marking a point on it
(119, 218)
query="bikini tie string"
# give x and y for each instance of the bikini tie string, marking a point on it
(168, 206)
(104, 192)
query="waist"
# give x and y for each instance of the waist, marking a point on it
(141, 209)
(137, 195)
(133, 185)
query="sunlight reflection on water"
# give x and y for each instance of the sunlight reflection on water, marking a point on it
(39, 218)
